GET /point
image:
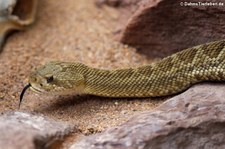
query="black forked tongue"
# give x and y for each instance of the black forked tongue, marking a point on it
(22, 93)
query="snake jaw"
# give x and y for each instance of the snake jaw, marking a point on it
(35, 89)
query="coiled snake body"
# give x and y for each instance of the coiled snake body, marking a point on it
(171, 75)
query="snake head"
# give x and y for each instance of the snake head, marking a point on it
(57, 78)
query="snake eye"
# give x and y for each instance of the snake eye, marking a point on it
(49, 79)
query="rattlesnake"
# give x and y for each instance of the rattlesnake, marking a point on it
(169, 76)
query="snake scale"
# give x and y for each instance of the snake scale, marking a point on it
(169, 76)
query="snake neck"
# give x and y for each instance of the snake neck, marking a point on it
(114, 83)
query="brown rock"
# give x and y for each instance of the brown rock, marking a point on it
(161, 27)
(15, 15)
(193, 119)
(21, 130)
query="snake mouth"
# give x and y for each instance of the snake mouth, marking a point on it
(35, 89)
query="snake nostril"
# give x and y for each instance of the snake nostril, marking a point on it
(49, 79)
(41, 84)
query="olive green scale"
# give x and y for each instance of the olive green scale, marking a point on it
(169, 76)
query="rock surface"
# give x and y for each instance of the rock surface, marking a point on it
(193, 119)
(15, 15)
(21, 130)
(161, 27)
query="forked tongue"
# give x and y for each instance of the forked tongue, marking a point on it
(22, 93)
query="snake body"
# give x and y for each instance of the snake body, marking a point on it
(169, 76)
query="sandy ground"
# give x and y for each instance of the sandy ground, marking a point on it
(71, 30)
